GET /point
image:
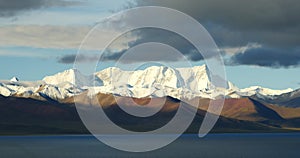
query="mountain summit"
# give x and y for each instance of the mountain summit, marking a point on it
(154, 81)
(254, 108)
(14, 79)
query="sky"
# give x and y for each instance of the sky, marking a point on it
(259, 40)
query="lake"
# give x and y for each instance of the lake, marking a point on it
(213, 145)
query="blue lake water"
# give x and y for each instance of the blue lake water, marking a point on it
(213, 145)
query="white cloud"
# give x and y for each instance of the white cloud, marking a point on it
(57, 37)
(242, 49)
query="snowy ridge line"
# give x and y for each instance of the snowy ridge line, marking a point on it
(154, 81)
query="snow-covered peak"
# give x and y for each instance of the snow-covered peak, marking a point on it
(68, 76)
(154, 81)
(56, 92)
(161, 75)
(264, 91)
(14, 79)
(65, 76)
(157, 81)
(196, 78)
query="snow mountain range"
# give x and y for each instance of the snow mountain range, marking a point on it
(155, 81)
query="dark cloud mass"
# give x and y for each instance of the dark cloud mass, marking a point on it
(10, 8)
(236, 14)
(270, 57)
(274, 24)
(70, 58)
(146, 35)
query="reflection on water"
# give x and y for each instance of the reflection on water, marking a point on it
(216, 145)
